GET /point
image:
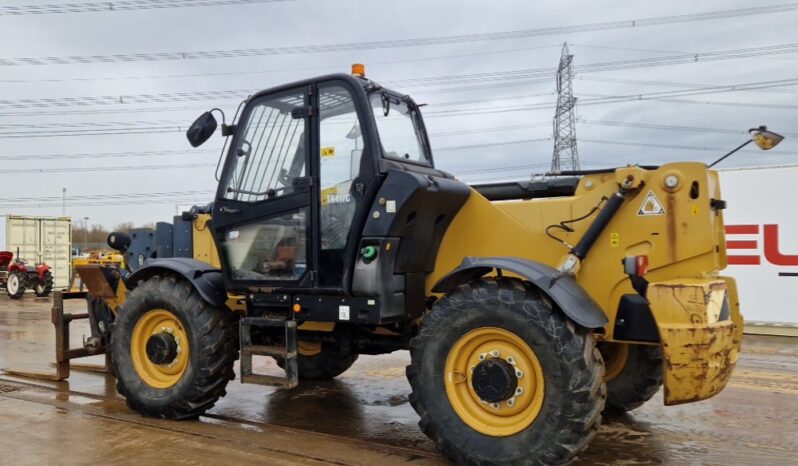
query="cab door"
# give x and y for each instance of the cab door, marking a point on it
(264, 204)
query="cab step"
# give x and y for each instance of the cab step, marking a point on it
(288, 352)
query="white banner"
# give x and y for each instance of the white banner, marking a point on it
(762, 240)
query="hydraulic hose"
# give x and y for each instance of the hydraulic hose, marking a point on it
(595, 229)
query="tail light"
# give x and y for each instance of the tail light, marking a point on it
(635, 265)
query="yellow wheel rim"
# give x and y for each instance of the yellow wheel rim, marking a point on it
(159, 375)
(507, 417)
(615, 355)
(308, 348)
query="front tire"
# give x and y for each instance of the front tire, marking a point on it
(16, 284)
(44, 285)
(506, 324)
(173, 353)
(634, 374)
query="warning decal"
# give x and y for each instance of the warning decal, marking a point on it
(651, 205)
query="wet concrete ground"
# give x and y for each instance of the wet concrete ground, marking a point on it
(361, 418)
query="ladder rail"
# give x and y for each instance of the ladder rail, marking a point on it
(288, 352)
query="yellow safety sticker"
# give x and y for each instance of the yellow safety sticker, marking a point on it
(615, 240)
(328, 151)
(695, 210)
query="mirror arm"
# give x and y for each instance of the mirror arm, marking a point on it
(221, 112)
(730, 153)
(228, 130)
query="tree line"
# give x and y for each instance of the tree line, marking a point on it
(98, 233)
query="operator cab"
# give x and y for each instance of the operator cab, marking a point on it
(321, 193)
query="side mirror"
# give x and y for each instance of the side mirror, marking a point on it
(201, 130)
(765, 139)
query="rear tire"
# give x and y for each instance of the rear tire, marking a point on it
(44, 285)
(324, 363)
(16, 284)
(635, 379)
(511, 315)
(211, 350)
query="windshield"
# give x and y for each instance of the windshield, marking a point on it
(399, 127)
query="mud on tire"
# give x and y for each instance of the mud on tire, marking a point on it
(573, 371)
(638, 381)
(212, 350)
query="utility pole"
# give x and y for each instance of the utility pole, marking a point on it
(565, 156)
(86, 232)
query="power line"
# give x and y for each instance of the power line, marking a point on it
(123, 5)
(606, 66)
(671, 84)
(99, 155)
(490, 129)
(124, 99)
(172, 201)
(673, 146)
(665, 96)
(271, 70)
(634, 49)
(490, 144)
(108, 169)
(413, 82)
(105, 196)
(412, 42)
(693, 129)
(610, 99)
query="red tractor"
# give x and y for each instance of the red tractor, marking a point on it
(16, 276)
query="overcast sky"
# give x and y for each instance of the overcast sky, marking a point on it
(488, 106)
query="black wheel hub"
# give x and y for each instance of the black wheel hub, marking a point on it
(494, 380)
(162, 348)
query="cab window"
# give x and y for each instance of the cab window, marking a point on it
(399, 127)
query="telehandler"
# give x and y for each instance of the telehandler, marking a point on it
(529, 308)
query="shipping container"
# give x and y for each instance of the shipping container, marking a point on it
(762, 241)
(43, 239)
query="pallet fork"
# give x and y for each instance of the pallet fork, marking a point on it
(63, 352)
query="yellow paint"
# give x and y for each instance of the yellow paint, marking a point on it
(236, 303)
(204, 246)
(683, 249)
(700, 351)
(678, 245)
(699, 360)
(159, 376)
(317, 326)
(119, 300)
(695, 210)
(615, 355)
(328, 151)
(308, 348)
(694, 301)
(505, 418)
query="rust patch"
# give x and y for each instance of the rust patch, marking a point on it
(698, 360)
(670, 219)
